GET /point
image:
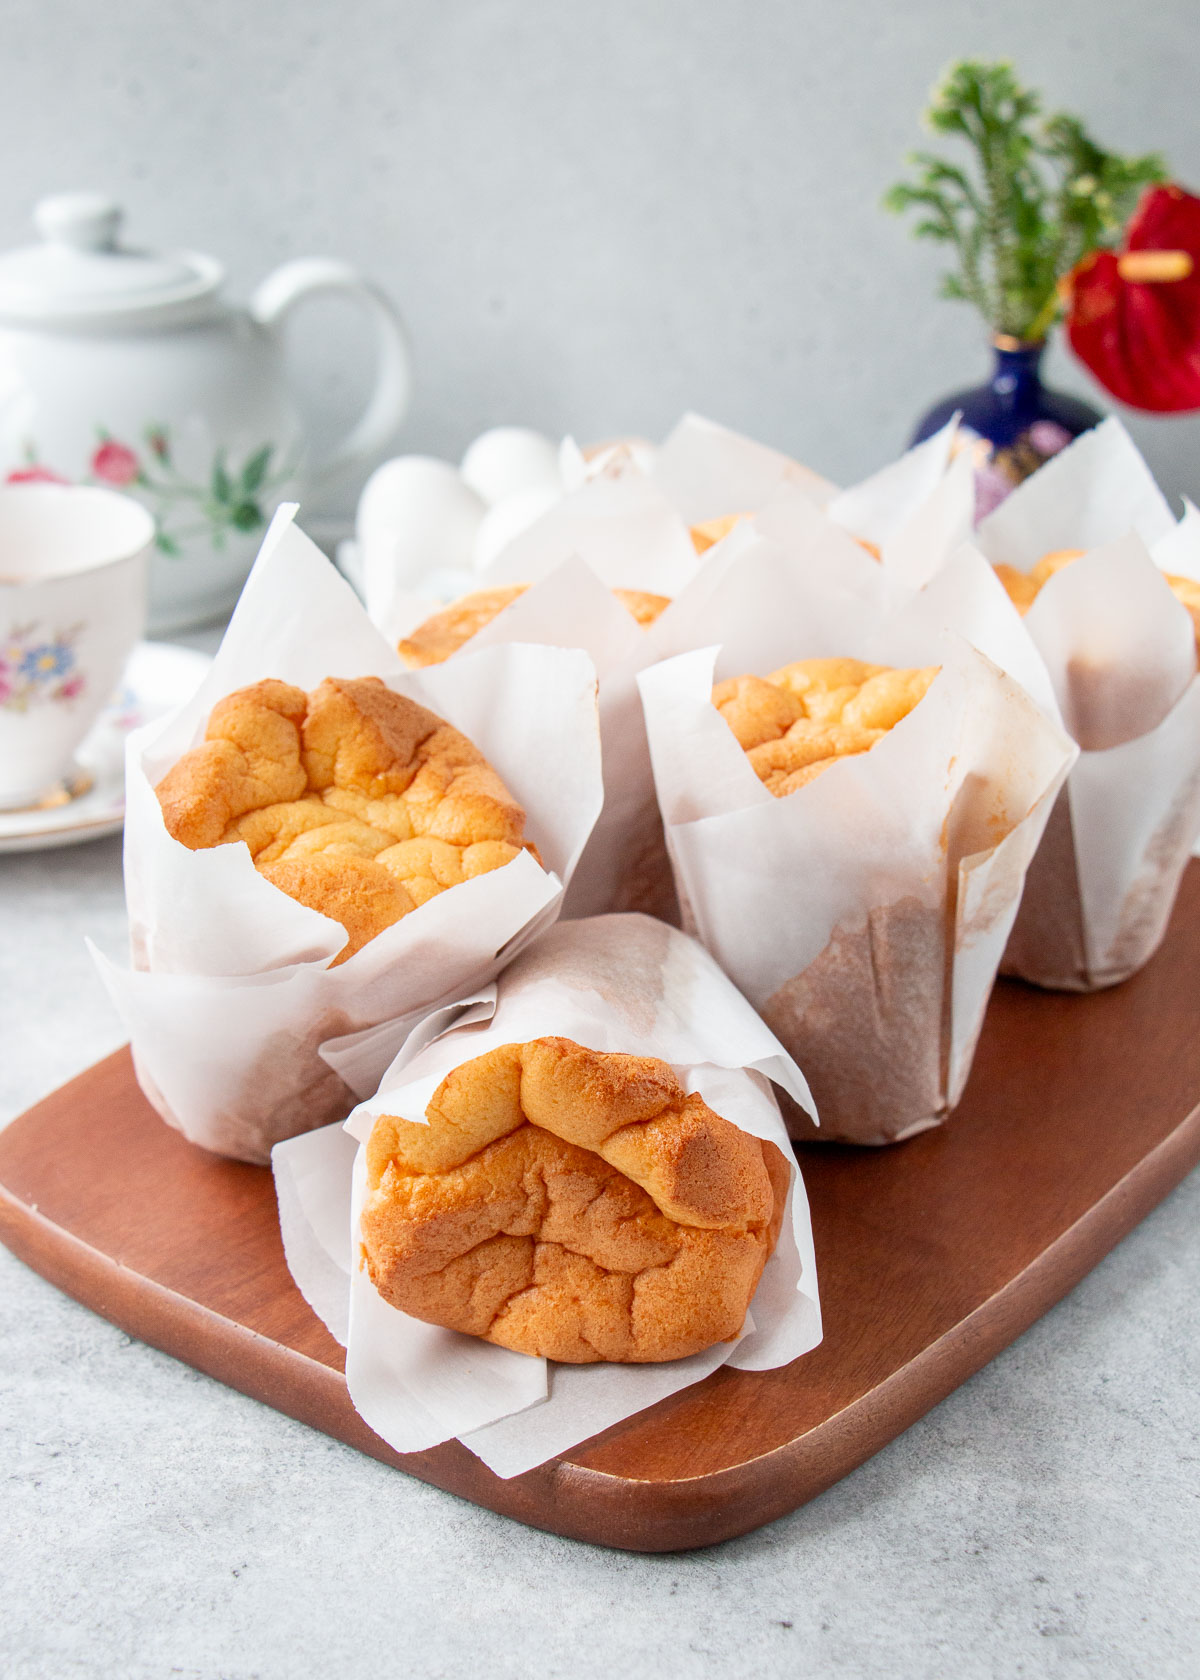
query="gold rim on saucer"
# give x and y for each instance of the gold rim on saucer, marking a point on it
(73, 785)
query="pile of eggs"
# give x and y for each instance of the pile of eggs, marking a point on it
(425, 520)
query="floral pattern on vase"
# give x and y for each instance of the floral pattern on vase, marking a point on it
(37, 667)
(235, 499)
(1012, 423)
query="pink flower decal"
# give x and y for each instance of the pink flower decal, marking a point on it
(73, 686)
(229, 500)
(34, 475)
(115, 463)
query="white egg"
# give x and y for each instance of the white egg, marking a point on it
(510, 459)
(415, 514)
(416, 494)
(508, 519)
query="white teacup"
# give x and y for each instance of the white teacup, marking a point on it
(72, 605)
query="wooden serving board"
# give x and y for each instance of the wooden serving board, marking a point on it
(933, 1255)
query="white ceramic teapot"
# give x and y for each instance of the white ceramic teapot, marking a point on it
(128, 369)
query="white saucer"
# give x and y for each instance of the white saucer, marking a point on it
(159, 677)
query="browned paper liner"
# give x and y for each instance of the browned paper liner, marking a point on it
(865, 914)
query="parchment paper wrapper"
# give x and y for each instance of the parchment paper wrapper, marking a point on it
(707, 471)
(864, 915)
(1179, 552)
(1119, 651)
(626, 527)
(616, 984)
(916, 509)
(1097, 489)
(232, 993)
(616, 531)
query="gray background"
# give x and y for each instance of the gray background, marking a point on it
(593, 215)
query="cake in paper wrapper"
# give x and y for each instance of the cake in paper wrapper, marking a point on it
(574, 1204)
(444, 632)
(236, 983)
(597, 572)
(864, 912)
(1023, 588)
(1108, 585)
(657, 537)
(602, 1021)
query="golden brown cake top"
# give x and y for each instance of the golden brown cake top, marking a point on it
(1024, 587)
(446, 631)
(574, 1204)
(801, 719)
(352, 799)
(710, 531)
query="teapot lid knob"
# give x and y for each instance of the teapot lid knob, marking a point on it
(88, 221)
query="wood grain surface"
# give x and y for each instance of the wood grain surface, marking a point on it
(1080, 1115)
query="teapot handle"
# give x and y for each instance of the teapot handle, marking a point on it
(309, 277)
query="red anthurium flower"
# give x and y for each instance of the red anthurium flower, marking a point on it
(1133, 316)
(115, 463)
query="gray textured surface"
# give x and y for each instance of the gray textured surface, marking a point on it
(593, 215)
(1043, 1521)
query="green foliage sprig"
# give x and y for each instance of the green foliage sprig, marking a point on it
(1036, 198)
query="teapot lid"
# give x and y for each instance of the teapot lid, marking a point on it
(81, 272)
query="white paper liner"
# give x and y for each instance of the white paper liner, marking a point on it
(617, 522)
(893, 508)
(609, 534)
(626, 513)
(1179, 549)
(902, 861)
(313, 1178)
(919, 506)
(625, 527)
(615, 531)
(1095, 490)
(966, 596)
(616, 984)
(1118, 653)
(1179, 552)
(1096, 910)
(231, 994)
(708, 471)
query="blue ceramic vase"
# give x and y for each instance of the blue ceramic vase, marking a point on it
(1018, 421)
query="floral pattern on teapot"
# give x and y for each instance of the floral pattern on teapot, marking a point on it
(36, 666)
(231, 500)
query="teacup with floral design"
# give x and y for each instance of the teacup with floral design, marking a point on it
(72, 605)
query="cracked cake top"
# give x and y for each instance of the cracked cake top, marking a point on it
(801, 719)
(574, 1204)
(353, 799)
(445, 632)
